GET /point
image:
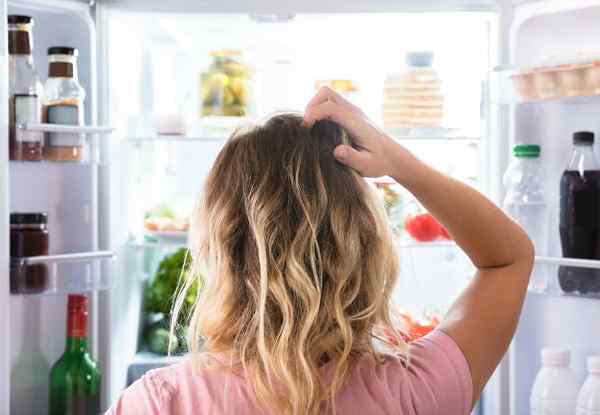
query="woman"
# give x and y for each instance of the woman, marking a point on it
(302, 268)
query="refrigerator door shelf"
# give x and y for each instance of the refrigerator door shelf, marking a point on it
(66, 129)
(59, 274)
(555, 276)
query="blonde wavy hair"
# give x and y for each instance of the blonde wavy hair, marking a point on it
(301, 265)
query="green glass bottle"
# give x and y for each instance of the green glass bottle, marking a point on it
(75, 377)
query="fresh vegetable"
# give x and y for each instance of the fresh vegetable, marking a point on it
(423, 227)
(161, 210)
(172, 270)
(445, 234)
(413, 329)
(158, 338)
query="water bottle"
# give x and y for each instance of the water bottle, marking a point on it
(588, 401)
(555, 388)
(525, 202)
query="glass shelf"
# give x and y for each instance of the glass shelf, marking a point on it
(66, 129)
(163, 244)
(566, 277)
(403, 135)
(56, 274)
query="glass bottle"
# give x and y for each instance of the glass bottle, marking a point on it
(75, 377)
(25, 91)
(64, 99)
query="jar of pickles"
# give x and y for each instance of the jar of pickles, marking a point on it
(225, 85)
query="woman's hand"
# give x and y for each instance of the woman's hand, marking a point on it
(376, 154)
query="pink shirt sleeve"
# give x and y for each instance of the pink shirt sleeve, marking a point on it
(438, 377)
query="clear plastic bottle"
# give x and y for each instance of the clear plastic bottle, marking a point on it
(25, 91)
(64, 98)
(579, 219)
(555, 388)
(588, 401)
(525, 202)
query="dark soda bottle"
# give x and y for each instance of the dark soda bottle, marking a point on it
(580, 215)
(75, 377)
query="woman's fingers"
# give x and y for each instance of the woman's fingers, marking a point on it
(327, 110)
(325, 94)
(357, 160)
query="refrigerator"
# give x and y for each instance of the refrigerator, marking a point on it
(142, 64)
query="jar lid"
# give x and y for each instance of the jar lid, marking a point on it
(224, 53)
(583, 137)
(527, 150)
(419, 59)
(19, 19)
(556, 357)
(28, 218)
(63, 50)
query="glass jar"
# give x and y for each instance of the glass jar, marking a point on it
(28, 237)
(345, 87)
(63, 105)
(225, 85)
(25, 91)
(414, 98)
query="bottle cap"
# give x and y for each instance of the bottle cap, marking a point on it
(527, 150)
(77, 301)
(63, 50)
(19, 218)
(19, 19)
(583, 137)
(556, 357)
(593, 364)
(419, 59)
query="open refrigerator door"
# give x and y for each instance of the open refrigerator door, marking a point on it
(547, 92)
(175, 79)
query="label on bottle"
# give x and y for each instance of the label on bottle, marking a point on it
(27, 109)
(64, 114)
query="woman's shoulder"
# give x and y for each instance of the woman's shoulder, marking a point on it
(170, 390)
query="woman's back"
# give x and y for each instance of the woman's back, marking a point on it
(436, 381)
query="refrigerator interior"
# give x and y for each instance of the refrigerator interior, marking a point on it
(154, 62)
(550, 320)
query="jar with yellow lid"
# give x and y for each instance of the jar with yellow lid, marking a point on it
(225, 85)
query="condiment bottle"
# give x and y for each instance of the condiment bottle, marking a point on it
(64, 98)
(25, 91)
(28, 237)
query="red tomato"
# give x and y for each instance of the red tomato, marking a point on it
(423, 228)
(445, 234)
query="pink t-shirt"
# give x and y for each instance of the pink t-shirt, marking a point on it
(437, 381)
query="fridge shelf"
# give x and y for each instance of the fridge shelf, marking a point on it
(66, 129)
(55, 274)
(570, 277)
(165, 244)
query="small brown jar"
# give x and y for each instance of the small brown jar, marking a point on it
(28, 237)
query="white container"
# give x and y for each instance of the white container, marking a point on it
(588, 401)
(555, 388)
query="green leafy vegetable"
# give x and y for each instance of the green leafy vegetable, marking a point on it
(172, 270)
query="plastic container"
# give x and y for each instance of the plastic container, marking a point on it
(555, 388)
(588, 401)
(526, 203)
(579, 219)
(414, 99)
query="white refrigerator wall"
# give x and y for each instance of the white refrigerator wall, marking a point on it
(548, 321)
